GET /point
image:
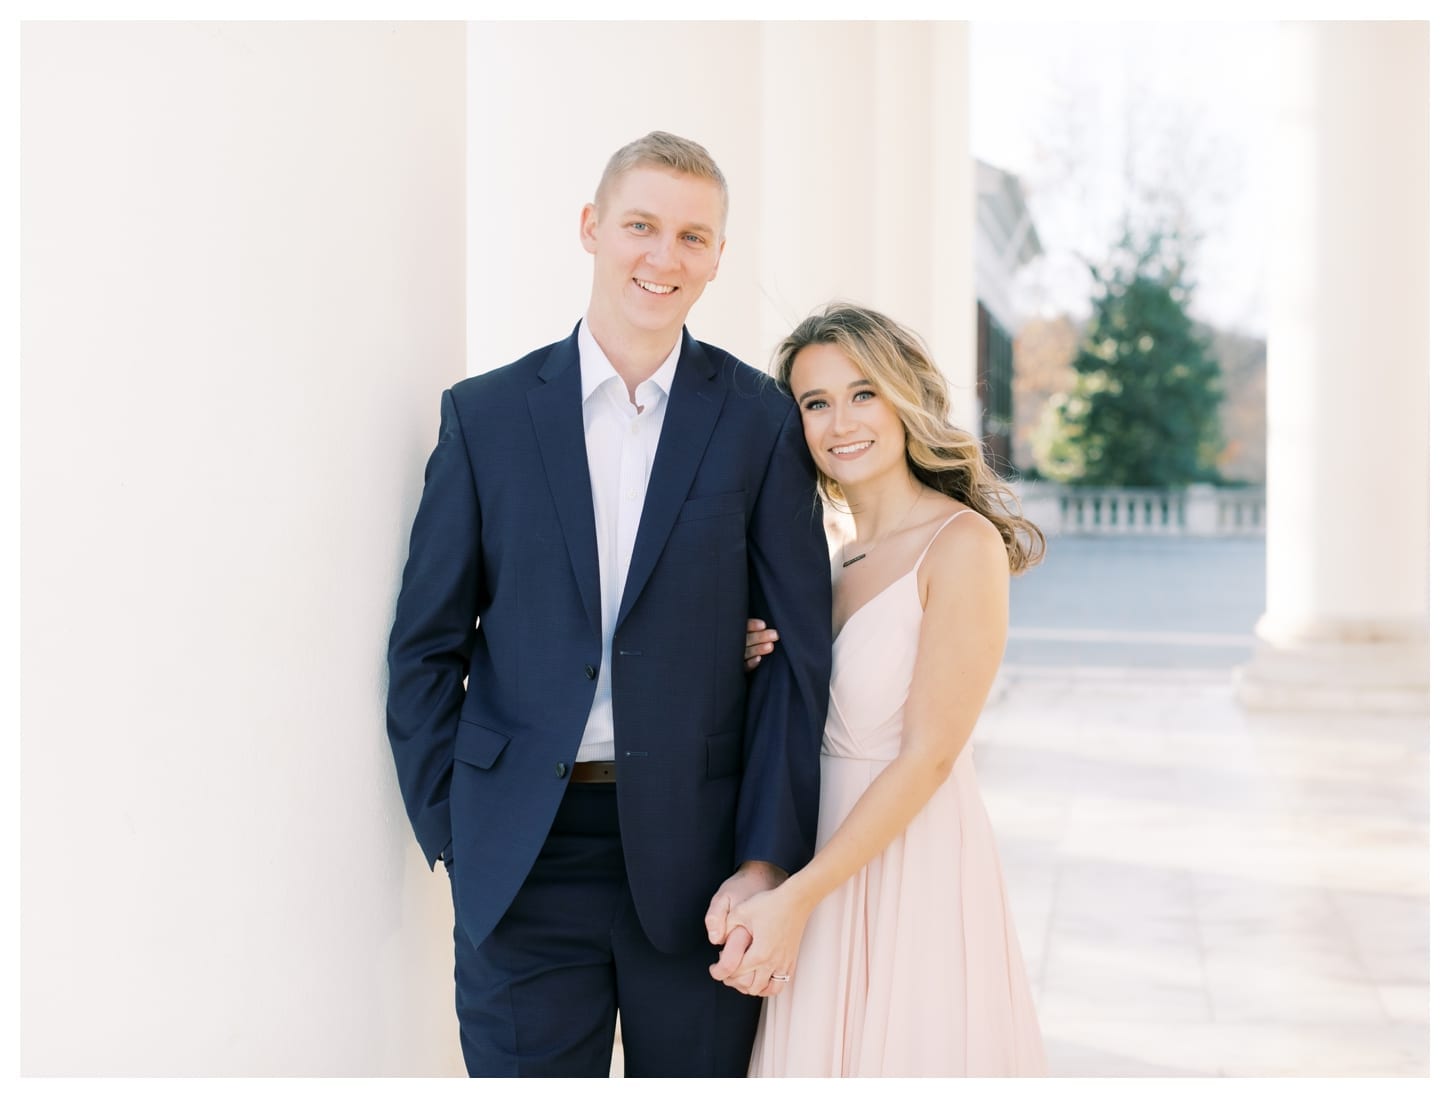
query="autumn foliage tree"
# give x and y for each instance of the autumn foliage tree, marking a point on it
(1143, 410)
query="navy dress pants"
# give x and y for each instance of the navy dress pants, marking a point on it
(538, 997)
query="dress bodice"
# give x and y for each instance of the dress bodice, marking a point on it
(872, 661)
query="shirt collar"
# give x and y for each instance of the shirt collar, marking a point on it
(595, 369)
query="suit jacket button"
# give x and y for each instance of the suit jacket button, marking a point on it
(560, 769)
(589, 671)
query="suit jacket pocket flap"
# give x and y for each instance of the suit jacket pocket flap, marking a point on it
(723, 754)
(477, 745)
(726, 503)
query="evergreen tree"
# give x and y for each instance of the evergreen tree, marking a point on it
(1143, 411)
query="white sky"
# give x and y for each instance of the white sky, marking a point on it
(1207, 89)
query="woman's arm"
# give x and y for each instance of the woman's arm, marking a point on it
(963, 583)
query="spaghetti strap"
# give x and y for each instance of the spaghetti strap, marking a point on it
(939, 529)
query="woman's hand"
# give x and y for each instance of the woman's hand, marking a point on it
(775, 920)
(758, 641)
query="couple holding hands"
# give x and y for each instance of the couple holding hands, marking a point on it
(781, 871)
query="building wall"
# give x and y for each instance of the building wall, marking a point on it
(242, 273)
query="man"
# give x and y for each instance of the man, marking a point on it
(575, 735)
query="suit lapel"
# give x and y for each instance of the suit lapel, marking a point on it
(696, 398)
(558, 414)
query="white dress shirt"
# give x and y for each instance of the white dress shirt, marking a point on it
(621, 439)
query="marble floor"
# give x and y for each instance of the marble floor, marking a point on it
(1201, 891)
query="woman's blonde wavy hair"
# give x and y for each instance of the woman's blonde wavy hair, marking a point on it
(895, 361)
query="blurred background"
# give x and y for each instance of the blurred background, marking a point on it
(1177, 274)
(1208, 759)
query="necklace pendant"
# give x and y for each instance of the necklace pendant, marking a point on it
(853, 560)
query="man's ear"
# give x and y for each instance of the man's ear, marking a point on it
(718, 254)
(589, 228)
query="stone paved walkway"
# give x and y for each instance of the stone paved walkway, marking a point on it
(1200, 890)
(1139, 602)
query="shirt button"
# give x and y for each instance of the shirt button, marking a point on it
(560, 769)
(634, 428)
(589, 671)
(634, 493)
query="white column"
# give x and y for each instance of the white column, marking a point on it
(868, 183)
(548, 103)
(242, 276)
(952, 329)
(844, 144)
(819, 180)
(1347, 540)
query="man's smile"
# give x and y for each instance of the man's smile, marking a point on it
(655, 287)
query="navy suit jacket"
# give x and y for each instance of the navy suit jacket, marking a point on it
(497, 640)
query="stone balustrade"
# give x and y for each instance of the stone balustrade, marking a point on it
(1199, 510)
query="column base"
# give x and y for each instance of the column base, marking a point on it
(1368, 669)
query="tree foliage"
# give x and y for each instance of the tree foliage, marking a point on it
(1143, 411)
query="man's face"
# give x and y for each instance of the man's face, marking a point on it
(656, 238)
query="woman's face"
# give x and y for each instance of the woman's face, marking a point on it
(853, 432)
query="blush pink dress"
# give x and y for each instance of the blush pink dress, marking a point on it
(912, 967)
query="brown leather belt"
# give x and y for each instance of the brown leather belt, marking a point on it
(592, 773)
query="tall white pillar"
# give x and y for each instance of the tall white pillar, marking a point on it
(1345, 624)
(242, 292)
(547, 105)
(844, 144)
(867, 183)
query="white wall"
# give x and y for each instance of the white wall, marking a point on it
(844, 144)
(242, 293)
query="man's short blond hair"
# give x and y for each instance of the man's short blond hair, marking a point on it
(664, 150)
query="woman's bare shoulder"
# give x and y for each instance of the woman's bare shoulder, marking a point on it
(967, 549)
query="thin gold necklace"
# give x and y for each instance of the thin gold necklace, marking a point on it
(920, 491)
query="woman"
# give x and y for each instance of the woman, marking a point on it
(892, 952)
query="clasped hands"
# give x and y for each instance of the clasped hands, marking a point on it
(758, 927)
